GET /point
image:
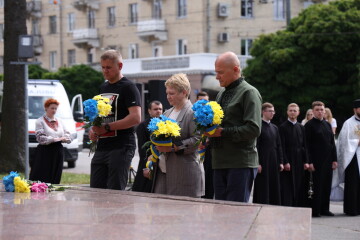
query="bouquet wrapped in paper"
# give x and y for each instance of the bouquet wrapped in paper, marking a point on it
(95, 110)
(207, 116)
(163, 130)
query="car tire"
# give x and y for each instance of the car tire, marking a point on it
(72, 164)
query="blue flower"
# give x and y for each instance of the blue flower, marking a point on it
(164, 118)
(204, 115)
(8, 181)
(153, 124)
(199, 104)
(90, 109)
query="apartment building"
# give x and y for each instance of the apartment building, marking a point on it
(156, 37)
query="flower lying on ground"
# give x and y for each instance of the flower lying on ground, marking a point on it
(14, 183)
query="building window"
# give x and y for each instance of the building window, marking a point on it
(53, 60)
(157, 51)
(91, 19)
(133, 12)
(52, 26)
(245, 47)
(1, 3)
(181, 8)
(35, 27)
(71, 22)
(91, 55)
(71, 57)
(111, 17)
(181, 47)
(1, 32)
(133, 51)
(156, 13)
(247, 8)
(279, 9)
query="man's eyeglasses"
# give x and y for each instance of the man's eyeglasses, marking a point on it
(271, 111)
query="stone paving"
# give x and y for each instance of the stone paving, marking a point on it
(87, 213)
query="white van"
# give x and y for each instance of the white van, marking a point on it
(38, 92)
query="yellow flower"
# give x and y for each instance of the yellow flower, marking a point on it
(98, 97)
(103, 108)
(218, 112)
(21, 186)
(173, 129)
(167, 128)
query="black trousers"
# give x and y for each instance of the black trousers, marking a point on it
(110, 169)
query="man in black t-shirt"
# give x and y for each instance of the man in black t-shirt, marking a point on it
(115, 138)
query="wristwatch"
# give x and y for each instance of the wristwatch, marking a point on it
(107, 127)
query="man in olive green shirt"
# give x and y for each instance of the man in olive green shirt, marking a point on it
(235, 157)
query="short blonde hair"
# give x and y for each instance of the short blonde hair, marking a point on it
(266, 105)
(317, 103)
(293, 105)
(180, 82)
(113, 55)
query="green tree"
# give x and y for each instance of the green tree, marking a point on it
(36, 72)
(78, 79)
(316, 58)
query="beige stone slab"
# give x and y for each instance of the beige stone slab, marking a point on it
(85, 213)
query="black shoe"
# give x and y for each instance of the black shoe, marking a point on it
(316, 215)
(351, 214)
(328, 213)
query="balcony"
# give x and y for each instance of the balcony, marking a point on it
(153, 29)
(86, 38)
(38, 44)
(83, 5)
(33, 9)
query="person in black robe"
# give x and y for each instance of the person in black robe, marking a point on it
(322, 158)
(293, 142)
(348, 163)
(142, 184)
(267, 181)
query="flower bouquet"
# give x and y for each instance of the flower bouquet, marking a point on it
(95, 110)
(162, 130)
(14, 183)
(207, 116)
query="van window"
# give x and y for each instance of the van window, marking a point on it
(36, 108)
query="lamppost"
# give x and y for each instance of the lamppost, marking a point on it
(25, 51)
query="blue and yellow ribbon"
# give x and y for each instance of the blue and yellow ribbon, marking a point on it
(211, 130)
(163, 143)
(202, 154)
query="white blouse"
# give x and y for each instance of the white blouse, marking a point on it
(46, 135)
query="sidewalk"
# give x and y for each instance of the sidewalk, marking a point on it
(338, 227)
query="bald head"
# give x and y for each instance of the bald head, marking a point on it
(229, 58)
(227, 68)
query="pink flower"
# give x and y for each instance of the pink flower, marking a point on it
(39, 187)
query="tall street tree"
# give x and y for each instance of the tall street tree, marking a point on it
(316, 58)
(12, 147)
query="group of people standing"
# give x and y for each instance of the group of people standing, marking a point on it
(296, 162)
(247, 147)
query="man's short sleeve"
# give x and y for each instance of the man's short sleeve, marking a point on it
(132, 96)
